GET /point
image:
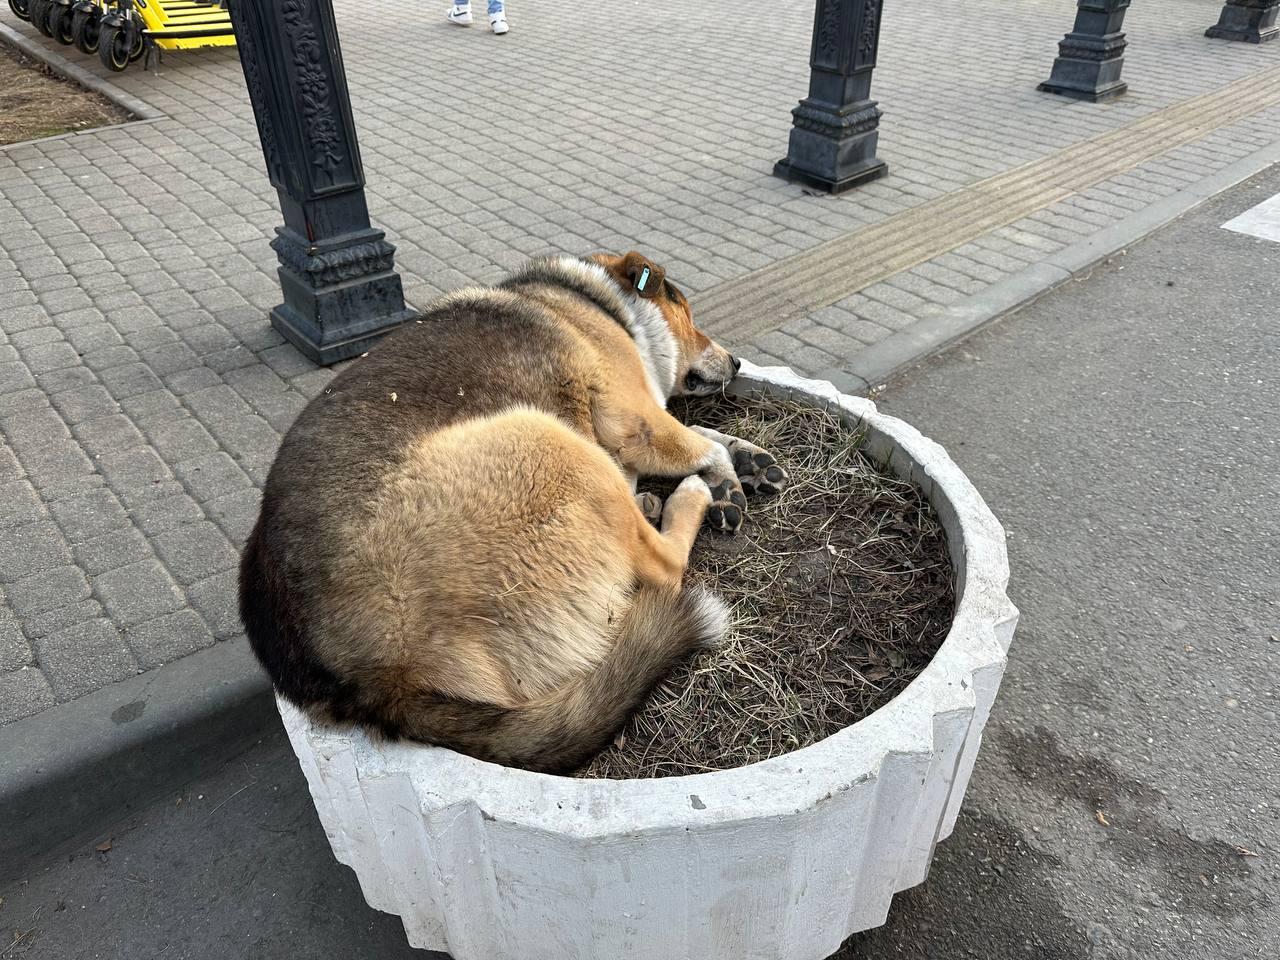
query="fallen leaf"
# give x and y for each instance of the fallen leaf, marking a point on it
(876, 675)
(1101, 818)
(103, 847)
(1245, 852)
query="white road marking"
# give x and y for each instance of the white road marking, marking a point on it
(1262, 221)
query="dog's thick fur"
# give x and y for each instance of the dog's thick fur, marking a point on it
(449, 548)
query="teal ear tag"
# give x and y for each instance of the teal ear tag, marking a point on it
(644, 278)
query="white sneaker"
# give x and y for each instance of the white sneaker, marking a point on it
(498, 22)
(459, 15)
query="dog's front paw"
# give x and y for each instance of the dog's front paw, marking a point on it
(650, 505)
(757, 469)
(728, 506)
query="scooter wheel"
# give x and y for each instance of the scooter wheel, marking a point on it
(113, 47)
(40, 16)
(139, 44)
(59, 20)
(21, 9)
(86, 26)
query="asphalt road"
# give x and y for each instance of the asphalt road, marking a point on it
(1125, 430)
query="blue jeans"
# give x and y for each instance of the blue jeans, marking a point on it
(495, 6)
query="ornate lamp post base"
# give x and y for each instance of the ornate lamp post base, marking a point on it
(340, 295)
(341, 290)
(835, 129)
(1091, 56)
(1251, 21)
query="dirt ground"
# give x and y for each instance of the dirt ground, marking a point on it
(35, 102)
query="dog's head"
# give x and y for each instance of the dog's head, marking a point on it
(702, 366)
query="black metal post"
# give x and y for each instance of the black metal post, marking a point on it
(1253, 21)
(1091, 56)
(341, 290)
(835, 129)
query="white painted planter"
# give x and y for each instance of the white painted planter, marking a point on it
(780, 859)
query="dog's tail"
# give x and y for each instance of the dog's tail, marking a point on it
(559, 732)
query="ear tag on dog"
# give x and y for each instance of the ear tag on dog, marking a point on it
(644, 278)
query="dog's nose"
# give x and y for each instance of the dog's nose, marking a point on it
(737, 365)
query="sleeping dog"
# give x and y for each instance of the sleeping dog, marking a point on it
(450, 547)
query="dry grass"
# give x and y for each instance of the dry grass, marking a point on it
(36, 103)
(842, 592)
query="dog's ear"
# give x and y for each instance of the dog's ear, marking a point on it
(642, 275)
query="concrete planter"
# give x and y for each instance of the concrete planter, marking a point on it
(780, 859)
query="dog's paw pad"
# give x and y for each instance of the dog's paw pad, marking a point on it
(728, 507)
(759, 471)
(650, 505)
(726, 518)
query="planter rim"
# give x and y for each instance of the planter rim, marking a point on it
(977, 641)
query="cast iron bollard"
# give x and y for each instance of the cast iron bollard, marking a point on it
(1253, 21)
(341, 290)
(834, 130)
(1091, 56)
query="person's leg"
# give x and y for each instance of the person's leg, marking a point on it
(497, 16)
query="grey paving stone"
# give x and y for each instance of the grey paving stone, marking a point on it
(50, 356)
(68, 378)
(16, 319)
(107, 435)
(46, 590)
(34, 337)
(217, 600)
(192, 380)
(84, 658)
(85, 403)
(101, 359)
(231, 358)
(168, 638)
(137, 592)
(20, 401)
(24, 693)
(212, 476)
(148, 340)
(155, 516)
(148, 409)
(15, 376)
(88, 516)
(60, 617)
(10, 469)
(193, 551)
(236, 513)
(170, 358)
(177, 441)
(136, 475)
(310, 384)
(15, 651)
(93, 336)
(19, 504)
(286, 361)
(115, 549)
(837, 343)
(59, 463)
(129, 380)
(62, 301)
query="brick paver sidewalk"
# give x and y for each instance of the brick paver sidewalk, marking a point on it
(142, 392)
